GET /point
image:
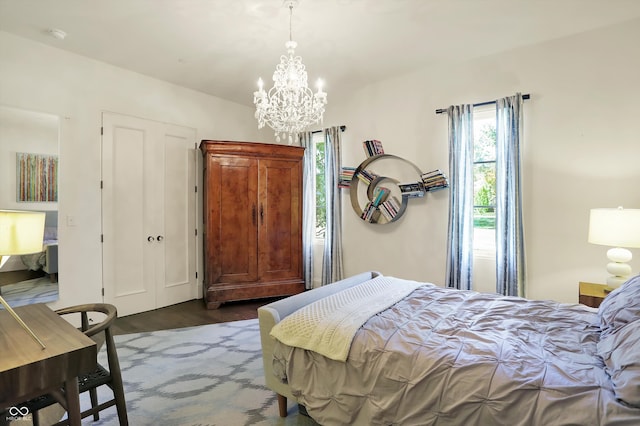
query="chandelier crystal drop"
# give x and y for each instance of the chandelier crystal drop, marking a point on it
(289, 106)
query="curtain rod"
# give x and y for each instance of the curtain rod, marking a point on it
(343, 128)
(440, 111)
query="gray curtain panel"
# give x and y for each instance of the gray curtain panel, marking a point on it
(510, 253)
(308, 207)
(460, 241)
(332, 269)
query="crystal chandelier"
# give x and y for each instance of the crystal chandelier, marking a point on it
(289, 106)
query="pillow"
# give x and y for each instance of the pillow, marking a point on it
(620, 307)
(621, 354)
(51, 234)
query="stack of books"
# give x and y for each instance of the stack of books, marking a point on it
(346, 174)
(390, 208)
(366, 176)
(373, 147)
(371, 213)
(434, 180)
(412, 190)
(380, 194)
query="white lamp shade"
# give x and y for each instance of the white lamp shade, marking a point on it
(21, 232)
(615, 227)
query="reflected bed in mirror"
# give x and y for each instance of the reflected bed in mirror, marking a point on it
(30, 278)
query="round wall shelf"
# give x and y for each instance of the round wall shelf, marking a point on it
(375, 183)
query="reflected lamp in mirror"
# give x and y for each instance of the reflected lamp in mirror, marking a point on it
(21, 232)
(618, 228)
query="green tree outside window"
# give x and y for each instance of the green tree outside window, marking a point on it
(321, 194)
(484, 176)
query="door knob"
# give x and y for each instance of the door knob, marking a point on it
(160, 238)
(150, 238)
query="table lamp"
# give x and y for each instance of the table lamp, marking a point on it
(620, 229)
(21, 232)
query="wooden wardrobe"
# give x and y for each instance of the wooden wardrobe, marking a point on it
(252, 221)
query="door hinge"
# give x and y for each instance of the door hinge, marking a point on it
(102, 238)
(101, 130)
(196, 232)
(196, 275)
(101, 184)
(196, 188)
(103, 291)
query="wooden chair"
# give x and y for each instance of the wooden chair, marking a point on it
(101, 376)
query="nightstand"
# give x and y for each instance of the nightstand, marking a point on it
(591, 294)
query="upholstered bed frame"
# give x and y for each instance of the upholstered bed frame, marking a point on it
(449, 357)
(269, 315)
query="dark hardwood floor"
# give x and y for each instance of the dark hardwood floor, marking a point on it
(14, 277)
(187, 314)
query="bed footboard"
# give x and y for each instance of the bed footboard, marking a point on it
(269, 315)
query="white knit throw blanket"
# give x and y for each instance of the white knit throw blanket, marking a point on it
(328, 326)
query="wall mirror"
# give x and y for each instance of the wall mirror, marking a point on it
(29, 146)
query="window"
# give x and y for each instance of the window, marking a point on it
(321, 193)
(484, 181)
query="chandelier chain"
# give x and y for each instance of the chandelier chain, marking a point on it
(290, 19)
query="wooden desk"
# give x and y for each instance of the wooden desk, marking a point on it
(27, 370)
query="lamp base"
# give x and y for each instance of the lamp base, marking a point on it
(615, 281)
(618, 268)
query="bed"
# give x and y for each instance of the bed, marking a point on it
(449, 357)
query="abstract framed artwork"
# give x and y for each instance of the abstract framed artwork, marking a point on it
(37, 177)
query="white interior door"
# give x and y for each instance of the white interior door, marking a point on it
(176, 259)
(148, 213)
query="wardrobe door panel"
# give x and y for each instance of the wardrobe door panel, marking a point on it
(280, 216)
(232, 220)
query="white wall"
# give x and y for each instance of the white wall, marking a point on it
(581, 151)
(37, 77)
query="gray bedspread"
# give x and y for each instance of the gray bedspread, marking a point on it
(450, 357)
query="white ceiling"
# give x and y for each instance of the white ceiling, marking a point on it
(221, 47)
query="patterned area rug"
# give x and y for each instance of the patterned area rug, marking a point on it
(206, 375)
(38, 290)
